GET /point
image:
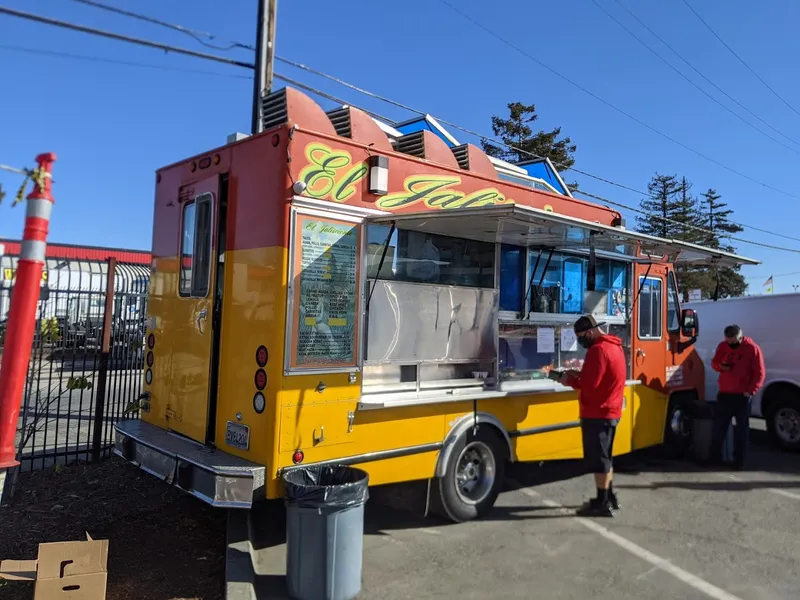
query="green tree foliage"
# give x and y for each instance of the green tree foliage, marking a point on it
(674, 213)
(516, 131)
(659, 206)
(717, 219)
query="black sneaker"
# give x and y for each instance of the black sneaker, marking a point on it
(594, 508)
(614, 501)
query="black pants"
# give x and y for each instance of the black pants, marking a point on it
(598, 443)
(729, 406)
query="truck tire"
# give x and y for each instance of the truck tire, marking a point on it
(783, 419)
(473, 476)
(678, 429)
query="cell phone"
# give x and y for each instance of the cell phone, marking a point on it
(555, 375)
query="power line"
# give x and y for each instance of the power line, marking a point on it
(197, 35)
(612, 106)
(322, 94)
(739, 58)
(113, 61)
(696, 70)
(759, 275)
(692, 83)
(686, 225)
(123, 38)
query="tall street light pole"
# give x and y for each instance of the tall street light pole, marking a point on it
(265, 59)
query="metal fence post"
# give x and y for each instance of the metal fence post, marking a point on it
(105, 355)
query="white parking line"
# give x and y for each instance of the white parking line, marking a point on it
(778, 491)
(701, 585)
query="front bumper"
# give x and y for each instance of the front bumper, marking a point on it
(215, 477)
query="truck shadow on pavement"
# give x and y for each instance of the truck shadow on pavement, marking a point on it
(401, 506)
(762, 460)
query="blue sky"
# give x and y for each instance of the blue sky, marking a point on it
(112, 125)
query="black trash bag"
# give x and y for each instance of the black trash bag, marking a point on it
(326, 487)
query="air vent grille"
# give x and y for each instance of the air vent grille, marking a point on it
(462, 156)
(275, 111)
(412, 144)
(340, 118)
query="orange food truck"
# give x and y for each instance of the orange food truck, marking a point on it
(335, 290)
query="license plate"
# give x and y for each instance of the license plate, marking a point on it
(237, 435)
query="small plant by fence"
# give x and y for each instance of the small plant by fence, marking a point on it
(86, 361)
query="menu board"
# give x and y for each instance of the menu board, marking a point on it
(326, 270)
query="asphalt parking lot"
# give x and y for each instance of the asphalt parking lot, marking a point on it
(683, 532)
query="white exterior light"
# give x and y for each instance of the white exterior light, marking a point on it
(298, 187)
(378, 175)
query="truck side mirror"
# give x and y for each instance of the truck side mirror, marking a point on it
(690, 322)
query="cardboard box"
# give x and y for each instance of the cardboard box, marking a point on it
(64, 570)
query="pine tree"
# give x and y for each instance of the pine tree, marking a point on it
(673, 213)
(717, 221)
(720, 228)
(516, 131)
(659, 206)
(687, 213)
(688, 228)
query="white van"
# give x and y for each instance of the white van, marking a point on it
(770, 321)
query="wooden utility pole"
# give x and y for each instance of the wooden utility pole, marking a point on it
(265, 59)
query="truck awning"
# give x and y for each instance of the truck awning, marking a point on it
(527, 226)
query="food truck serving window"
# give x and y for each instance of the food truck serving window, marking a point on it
(325, 298)
(560, 284)
(415, 256)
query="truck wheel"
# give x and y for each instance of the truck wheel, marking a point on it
(473, 476)
(783, 420)
(678, 430)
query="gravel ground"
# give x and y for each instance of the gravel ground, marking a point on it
(138, 514)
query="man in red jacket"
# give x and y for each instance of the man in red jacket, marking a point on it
(740, 365)
(601, 385)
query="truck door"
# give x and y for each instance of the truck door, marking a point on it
(191, 319)
(650, 342)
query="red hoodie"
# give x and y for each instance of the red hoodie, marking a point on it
(602, 380)
(746, 375)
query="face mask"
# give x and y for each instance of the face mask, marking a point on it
(585, 342)
(734, 344)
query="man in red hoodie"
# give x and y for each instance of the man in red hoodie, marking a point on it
(740, 365)
(601, 385)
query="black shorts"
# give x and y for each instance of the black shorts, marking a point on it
(598, 443)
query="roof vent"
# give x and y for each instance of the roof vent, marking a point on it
(412, 144)
(274, 109)
(340, 118)
(462, 156)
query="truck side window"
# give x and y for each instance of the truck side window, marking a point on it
(196, 241)
(673, 305)
(187, 248)
(650, 308)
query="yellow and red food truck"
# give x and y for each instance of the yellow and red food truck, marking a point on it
(333, 291)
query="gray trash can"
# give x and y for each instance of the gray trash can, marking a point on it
(325, 532)
(702, 430)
